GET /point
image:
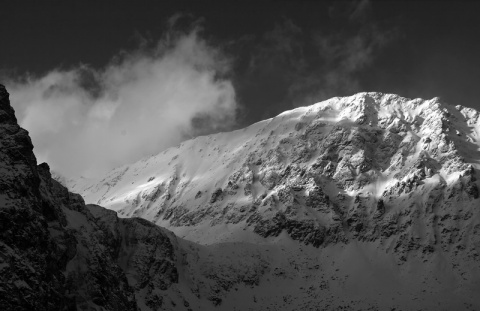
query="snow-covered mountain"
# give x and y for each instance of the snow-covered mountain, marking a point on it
(367, 202)
(367, 167)
(371, 176)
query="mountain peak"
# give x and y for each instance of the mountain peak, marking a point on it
(8, 114)
(309, 167)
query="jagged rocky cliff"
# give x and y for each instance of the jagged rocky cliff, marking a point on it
(58, 254)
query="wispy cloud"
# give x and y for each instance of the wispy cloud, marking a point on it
(84, 121)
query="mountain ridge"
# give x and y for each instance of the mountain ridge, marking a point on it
(386, 140)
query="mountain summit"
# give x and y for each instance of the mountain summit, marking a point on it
(366, 167)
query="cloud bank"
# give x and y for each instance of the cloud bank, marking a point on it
(85, 121)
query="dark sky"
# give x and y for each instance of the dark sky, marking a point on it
(286, 53)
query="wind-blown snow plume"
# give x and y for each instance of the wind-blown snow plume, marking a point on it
(85, 120)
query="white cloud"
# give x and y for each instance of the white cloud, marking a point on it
(85, 121)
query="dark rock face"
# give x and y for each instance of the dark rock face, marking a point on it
(305, 231)
(32, 261)
(216, 195)
(58, 254)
